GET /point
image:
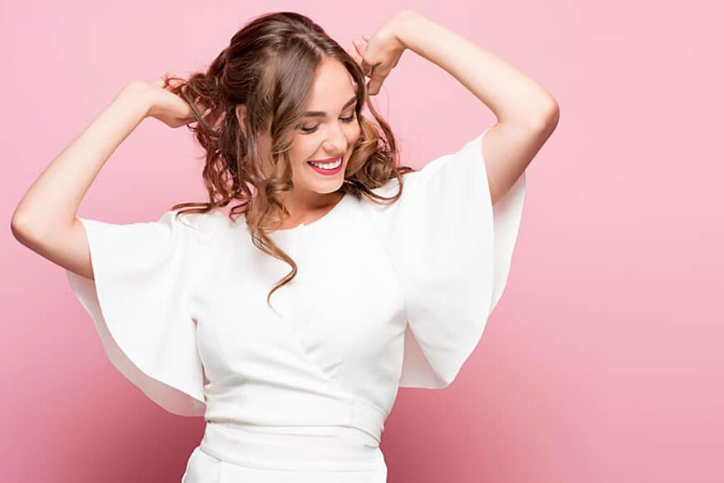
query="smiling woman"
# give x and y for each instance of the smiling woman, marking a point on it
(399, 269)
(332, 138)
(292, 140)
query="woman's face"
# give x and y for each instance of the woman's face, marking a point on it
(328, 131)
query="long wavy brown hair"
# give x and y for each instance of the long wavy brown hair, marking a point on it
(269, 66)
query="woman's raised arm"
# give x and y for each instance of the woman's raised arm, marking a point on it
(527, 114)
(511, 95)
(51, 202)
(45, 219)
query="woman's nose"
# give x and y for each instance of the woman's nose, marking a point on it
(337, 141)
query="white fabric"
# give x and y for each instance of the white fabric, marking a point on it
(139, 302)
(451, 249)
(385, 296)
(284, 455)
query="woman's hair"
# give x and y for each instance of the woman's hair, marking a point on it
(269, 66)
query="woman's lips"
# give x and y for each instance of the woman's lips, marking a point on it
(327, 172)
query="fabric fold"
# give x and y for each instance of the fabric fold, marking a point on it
(451, 249)
(139, 302)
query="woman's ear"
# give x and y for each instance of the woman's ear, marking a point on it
(241, 117)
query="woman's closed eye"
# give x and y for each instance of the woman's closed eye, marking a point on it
(309, 130)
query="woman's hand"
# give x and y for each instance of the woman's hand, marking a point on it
(379, 53)
(163, 104)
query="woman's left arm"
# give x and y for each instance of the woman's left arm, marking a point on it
(527, 114)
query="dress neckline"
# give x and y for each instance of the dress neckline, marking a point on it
(305, 226)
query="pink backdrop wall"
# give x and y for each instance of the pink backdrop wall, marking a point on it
(603, 360)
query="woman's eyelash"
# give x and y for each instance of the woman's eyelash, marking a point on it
(310, 130)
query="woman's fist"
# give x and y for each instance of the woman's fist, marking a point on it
(379, 53)
(162, 104)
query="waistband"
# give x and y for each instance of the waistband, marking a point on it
(339, 410)
(318, 448)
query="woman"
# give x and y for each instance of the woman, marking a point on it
(394, 272)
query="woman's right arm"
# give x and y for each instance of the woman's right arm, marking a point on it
(45, 219)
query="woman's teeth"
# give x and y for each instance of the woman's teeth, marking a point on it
(327, 165)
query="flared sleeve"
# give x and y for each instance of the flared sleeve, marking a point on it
(140, 303)
(451, 249)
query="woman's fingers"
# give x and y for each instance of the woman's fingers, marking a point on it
(168, 80)
(164, 80)
(377, 73)
(360, 46)
(376, 80)
(161, 81)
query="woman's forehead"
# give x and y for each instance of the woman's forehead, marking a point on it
(333, 87)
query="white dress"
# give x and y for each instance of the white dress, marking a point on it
(385, 297)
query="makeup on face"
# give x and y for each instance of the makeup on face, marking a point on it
(328, 167)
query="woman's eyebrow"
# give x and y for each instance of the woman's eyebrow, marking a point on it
(323, 114)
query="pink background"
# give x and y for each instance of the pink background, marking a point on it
(603, 362)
